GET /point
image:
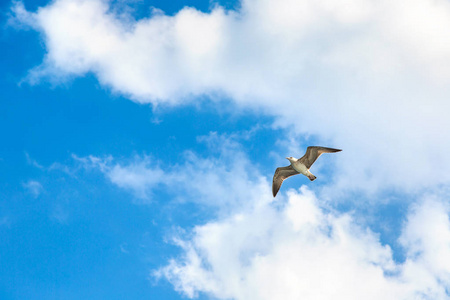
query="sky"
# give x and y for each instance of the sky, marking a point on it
(139, 139)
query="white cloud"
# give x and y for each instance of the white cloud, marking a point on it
(426, 237)
(292, 247)
(301, 251)
(371, 78)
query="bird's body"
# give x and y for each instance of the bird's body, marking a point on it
(299, 166)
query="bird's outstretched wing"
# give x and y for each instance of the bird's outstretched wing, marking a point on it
(313, 152)
(281, 174)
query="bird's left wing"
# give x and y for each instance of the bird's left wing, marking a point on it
(281, 174)
(313, 153)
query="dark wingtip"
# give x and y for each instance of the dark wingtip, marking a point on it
(312, 178)
(330, 149)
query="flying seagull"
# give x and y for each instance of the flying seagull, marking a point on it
(299, 166)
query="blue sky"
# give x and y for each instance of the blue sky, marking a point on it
(140, 139)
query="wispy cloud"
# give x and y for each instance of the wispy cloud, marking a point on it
(60, 214)
(52, 167)
(35, 188)
(139, 175)
(219, 180)
(32, 161)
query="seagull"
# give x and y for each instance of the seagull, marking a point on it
(299, 166)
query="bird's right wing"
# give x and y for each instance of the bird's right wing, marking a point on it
(281, 174)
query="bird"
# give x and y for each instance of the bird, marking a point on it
(299, 166)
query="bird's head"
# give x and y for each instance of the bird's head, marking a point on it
(291, 159)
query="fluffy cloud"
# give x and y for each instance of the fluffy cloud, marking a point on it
(293, 247)
(426, 237)
(303, 251)
(268, 48)
(371, 78)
